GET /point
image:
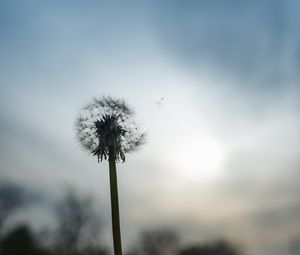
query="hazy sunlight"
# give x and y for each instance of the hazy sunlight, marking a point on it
(198, 157)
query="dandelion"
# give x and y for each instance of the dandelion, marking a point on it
(106, 129)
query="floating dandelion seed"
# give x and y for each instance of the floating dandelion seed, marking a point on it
(106, 129)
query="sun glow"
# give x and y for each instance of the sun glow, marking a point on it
(199, 157)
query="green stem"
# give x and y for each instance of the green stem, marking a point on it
(115, 206)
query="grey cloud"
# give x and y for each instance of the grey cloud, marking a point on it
(245, 39)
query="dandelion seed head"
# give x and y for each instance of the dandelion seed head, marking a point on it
(105, 127)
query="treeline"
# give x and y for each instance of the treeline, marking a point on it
(78, 231)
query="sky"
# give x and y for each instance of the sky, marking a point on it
(215, 85)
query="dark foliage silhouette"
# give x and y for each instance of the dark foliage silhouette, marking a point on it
(106, 129)
(21, 241)
(157, 242)
(11, 198)
(78, 229)
(220, 247)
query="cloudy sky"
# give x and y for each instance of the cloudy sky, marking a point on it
(214, 84)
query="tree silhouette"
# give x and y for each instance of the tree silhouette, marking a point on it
(11, 198)
(220, 247)
(106, 129)
(21, 241)
(157, 242)
(78, 225)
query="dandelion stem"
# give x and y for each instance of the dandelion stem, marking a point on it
(114, 205)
